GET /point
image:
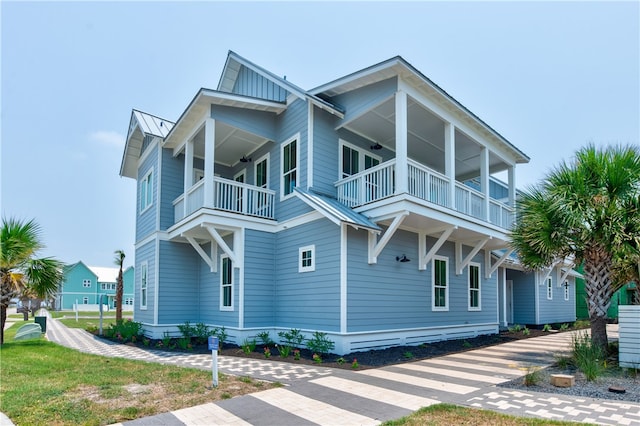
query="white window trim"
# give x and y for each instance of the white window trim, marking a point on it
(479, 307)
(198, 175)
(86, 283)
(566, 286)
(85, 300)
(149, 188)
(222, 307)
(144, 269)
(242, 173)
(433, 285)
(311, 267)
(549, 287)
(361, 153)
(267, 157)
(295, 138)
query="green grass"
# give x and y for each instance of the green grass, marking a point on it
(87, 322)
(72, 314)
(44, 383)
(441, 414)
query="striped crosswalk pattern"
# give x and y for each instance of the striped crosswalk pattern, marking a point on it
(376, 393)
(491, 369)
(419, 381)
(311, 409)
(453, 373)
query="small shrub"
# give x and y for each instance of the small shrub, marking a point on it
(184, 343)
(201, 332)
(317, 359)
(587, 356)
(296, 354)
(532, 377)
(517, 328)
(547, 327)
(293, 337)
(146, 342)
(355, 364)
(267, 352)
(166, 339)
(221, 334)
(340, 360)
(265, 338)
(581, 324)
(526, 331)
(248, 346)
(563, 361)
(319, 343)
(466, 344)
(284, 350)
(408, 355)
(564, 327)
(186, 330)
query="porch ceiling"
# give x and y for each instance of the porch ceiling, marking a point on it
(425, 138)
(231, 144)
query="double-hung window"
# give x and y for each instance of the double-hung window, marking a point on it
(474, 287)
(226, 284)
(146, 191)
(440, 281)
(289, 162)
(143, 285)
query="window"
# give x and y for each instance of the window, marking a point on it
(108, 286)
(566, 290)
(262, 172)
(86, 283)
(289, 160)
(440, 280)
(85, 300)
(352, 159)
(128, 301)
(306, 256)
(146, 191)
(226, 284)
(549, 289)
(474, 287)
(143, 285)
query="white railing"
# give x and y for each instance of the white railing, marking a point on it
(229, 196)
(379, 182)
(371, 185)
(428, 184)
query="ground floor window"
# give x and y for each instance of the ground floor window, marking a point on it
(143, 285)
(85, 300)
(440, 281)
(226, 284)
(474, 287)
(307, 262)
(566, 290)
(549, 289)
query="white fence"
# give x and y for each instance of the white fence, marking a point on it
(629, 336)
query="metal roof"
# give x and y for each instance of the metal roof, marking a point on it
(152, 125)
(335, 211)
(105, 275)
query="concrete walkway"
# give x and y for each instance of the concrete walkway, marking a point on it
(324, 396)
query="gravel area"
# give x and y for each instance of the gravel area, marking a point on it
(617, 377)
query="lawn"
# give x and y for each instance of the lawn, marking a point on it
(448, 414)
(44, 383)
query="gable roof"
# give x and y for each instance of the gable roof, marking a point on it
(141, 125)
(335, 211)
(68, 268)
(398, 66)
(104, 274)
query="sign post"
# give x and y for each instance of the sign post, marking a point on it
(213, 347)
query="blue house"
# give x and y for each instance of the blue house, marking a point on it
(86, 285)
(370, 208)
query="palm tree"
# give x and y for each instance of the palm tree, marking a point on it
(20, 271)
(119, 260)
(588, 210)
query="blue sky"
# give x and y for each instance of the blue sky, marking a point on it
(548, 76)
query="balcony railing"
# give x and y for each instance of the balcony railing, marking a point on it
(378, 182)
(229, 196)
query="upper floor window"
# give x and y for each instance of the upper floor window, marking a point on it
(474, 287)
(289, 161)
(549, 289)
(354, 159)
(146, 191)
(440, 282)
(261, 172)
(306, 259)
(86, 283)
(108, 286)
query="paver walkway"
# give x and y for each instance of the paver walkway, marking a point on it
(317, 395)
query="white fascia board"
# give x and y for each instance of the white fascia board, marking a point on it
(350, 78)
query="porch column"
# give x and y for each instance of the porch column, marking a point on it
(450, 162)
(511, 171)
(188, 174)
(402, 164)
(209, 161)
(502, 273)
(484, 181)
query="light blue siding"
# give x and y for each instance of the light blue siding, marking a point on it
(178, 278)
(146, 220)
(146, 253)
(250, 83)
(524, 297)
(556, 310)
(259, 123)
(259, 285)
(172, 186)
(309, 300)
(359, 100)
(325, 155)
(400, 295)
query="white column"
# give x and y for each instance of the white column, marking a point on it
(502, 272)
(512, 185)
(188, 173)
(450, 161)
(209, 161)
(343, 278)
(402, 165)
(484, 180)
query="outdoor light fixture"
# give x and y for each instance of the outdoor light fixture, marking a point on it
(245, 159)
(402, 258)
(376, 147)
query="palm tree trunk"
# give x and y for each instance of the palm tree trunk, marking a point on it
(119, 294)
(599, 289)
(3, 320)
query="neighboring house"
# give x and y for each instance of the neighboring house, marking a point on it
(369, 208)
(623, 296)
(85, 285)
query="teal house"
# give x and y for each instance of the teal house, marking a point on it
(85, 285)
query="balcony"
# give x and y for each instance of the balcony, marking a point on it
(229, 196)
(426, 184)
